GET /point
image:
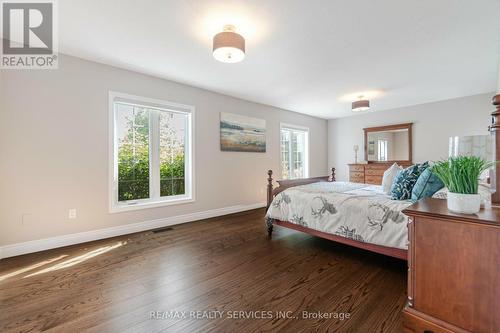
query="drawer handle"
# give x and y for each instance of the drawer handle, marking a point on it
(428, 331)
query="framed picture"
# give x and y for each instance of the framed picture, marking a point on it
(240, 133)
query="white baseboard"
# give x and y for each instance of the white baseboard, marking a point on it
(87, 236)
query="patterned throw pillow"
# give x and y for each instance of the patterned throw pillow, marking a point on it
(405, 180)
(427, 184)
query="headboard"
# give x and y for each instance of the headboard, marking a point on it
(287, 183)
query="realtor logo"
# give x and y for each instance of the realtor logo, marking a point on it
(29, 34)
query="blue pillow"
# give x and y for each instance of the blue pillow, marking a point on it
(427, 184)
(405, 180)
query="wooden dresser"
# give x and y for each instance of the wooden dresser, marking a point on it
(454, 270)
(370, 173)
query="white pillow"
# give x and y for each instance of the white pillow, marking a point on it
(441, 194)
(389, 176)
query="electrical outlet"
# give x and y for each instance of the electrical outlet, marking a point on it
(72, 213)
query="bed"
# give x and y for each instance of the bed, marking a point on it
(359, 215)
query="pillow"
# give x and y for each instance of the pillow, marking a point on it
(484, 177)
(441, 194)
(389, 176)
(483, 190)
(405, 180)
(427, 184)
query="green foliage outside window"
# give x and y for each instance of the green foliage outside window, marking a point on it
(133, 161)
(172, 177)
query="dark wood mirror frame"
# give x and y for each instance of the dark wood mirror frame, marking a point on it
(407, 126)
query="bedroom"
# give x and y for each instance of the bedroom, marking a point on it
(135, 165)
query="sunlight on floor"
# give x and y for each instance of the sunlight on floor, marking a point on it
(79, 259)
(29, 268)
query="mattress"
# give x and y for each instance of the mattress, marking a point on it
(356, 211)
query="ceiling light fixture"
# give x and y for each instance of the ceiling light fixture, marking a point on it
(228, 46)
(360, 105)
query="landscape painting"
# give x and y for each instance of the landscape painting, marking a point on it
(240, 133)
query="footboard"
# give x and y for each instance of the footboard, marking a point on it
(287, 183)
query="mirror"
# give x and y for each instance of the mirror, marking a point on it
(390, 143)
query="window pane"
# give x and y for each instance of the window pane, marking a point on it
(293, 153)
(172, 152)
(133, 152)
(285, 154)
(299, 154)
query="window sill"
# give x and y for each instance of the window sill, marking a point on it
(123, 207)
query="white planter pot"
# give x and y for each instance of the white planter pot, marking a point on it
(464, 203)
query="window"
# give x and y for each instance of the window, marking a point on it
(294, 152)
(382, 150)
(151, 152)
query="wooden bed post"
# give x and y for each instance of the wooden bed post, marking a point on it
(494, 129)
(269, 221)
(269, 188)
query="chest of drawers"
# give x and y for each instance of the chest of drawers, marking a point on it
(371, 173)
(453, 270)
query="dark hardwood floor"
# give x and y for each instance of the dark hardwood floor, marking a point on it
(220, 264)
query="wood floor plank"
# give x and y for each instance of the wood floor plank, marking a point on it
(226, 264)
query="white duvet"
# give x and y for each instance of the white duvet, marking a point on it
(357, 211)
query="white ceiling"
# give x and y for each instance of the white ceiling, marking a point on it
(304, 56)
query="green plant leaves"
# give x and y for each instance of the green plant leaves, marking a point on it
(461, 174)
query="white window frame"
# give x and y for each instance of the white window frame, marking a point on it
(306, 144)
(116, 206)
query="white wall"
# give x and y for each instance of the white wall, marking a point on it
(433, 124)
(498, 81)
(54, 149)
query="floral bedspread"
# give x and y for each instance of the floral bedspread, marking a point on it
(357, 211)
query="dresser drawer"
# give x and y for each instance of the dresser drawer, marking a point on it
(374, 172)
(378, 166)
(356, 177)
(375, 180)
(357, 180)
(353, 168)
(354, 174)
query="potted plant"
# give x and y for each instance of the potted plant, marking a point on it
(461, 176)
